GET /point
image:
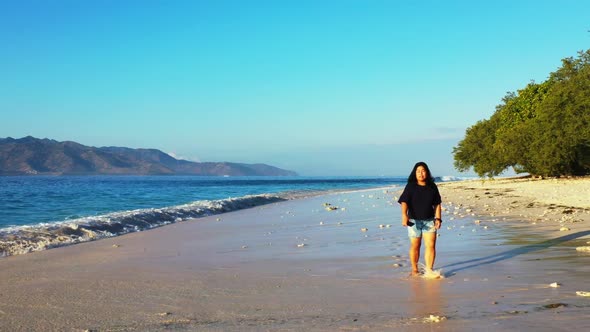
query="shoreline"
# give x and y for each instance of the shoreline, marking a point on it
(294, 266)
(25, 239)
(541, 202)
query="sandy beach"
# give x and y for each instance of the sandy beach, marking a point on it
(336, 262)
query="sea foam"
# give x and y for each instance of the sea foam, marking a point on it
(23, 239)
(450, 178)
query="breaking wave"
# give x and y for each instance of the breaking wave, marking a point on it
(24, 239)
(449, 178)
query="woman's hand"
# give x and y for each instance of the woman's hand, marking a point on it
(437, 223)
(405, 221)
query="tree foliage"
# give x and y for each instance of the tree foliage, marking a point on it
(542, 129)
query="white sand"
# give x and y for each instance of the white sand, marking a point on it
(294, 266)
(574, 192)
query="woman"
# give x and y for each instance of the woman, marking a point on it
(421, 211)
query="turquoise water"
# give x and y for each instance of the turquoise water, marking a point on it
(42, 212)
(50, 199)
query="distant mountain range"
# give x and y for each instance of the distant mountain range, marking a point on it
(33, 156)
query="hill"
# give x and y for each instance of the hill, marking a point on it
(33, 156)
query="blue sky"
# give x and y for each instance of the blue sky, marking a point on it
(319, 87)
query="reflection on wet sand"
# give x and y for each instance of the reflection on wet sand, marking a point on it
(426, 297)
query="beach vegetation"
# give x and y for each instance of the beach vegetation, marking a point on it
(542, 129)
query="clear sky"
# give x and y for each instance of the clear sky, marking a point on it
(319, 87)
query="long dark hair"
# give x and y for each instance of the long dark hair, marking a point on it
(429, 178)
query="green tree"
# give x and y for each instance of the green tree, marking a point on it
(476, 149)
(562, 143)
(542, 129)
(516, 114)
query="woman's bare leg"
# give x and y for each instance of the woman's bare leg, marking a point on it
(429, 250)
(415, 243)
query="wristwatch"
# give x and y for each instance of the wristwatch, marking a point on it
(435, 219)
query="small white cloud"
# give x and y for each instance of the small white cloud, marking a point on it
(180, 157)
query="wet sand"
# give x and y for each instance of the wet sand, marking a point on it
(299, 266)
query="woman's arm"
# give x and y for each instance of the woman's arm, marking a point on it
(405, 217)
(437, 216)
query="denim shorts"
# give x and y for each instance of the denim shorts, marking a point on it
(421, 226)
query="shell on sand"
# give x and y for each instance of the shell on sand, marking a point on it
(585, 248)
(434, 319)
(581, 293)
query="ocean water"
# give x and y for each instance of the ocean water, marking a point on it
(42, 212)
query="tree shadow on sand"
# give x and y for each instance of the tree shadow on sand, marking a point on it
(512, 253)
